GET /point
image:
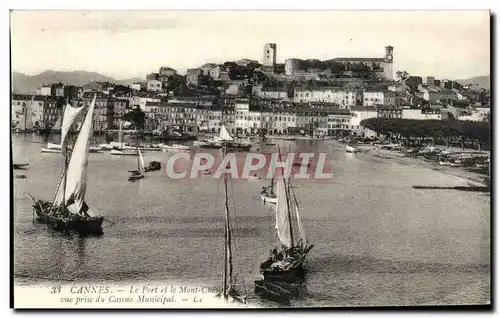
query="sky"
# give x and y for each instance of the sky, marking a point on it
(126, 44)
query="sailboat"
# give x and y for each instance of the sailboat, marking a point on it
(69, 117)
(139, 173)
(269, 197)
(286, 264)
(228, 292)
(68, 211)
(26, 123)
(121, 151)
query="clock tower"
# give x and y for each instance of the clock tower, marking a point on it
(388, 59)
(389, 54)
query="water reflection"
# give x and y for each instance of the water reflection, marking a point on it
(377, 241)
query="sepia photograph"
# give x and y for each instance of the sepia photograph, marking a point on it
(250, 159)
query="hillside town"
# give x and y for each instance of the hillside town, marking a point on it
(308, 97)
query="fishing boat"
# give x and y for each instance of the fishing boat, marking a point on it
(137, 174)
(290, 138)
(350, 149)
(53, 146)
(176, 147)
(68, 211)
(153, 166)
(254, 177)
(20, 165)
(205, 143)
(267, 194)
(118, 147)
(145, 148)
(228, 292)
(47, 150)
(287, 263)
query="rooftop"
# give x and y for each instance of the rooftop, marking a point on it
(359, 59)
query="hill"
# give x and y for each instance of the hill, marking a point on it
(481, 81)
(25, 84)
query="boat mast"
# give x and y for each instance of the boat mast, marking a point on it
(138, 164)
(287, 192)
(65, 149)
(228, 262)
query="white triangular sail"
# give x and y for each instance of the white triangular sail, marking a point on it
(299, 222)
(76, 173)
(282, 220)
(224, 134)
(141, 160)
(28, 114)
(58, 124)
(69, 117)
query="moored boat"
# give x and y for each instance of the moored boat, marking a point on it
(47, 150)
(286, 264)
(68, 211)
(137, 174)
(176, 147)
(124, 152)
(267, 194)
(350, 149)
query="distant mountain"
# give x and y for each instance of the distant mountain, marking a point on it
(482, 81)
(25, 84)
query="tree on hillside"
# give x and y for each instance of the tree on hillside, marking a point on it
(402, 75)
(137, 117)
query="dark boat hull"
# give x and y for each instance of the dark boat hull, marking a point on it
(78, 224)
(135, 177)
(291, 275)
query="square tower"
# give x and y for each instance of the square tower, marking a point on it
(269, 58)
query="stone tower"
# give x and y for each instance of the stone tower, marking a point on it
(389, 57)
(269, 58)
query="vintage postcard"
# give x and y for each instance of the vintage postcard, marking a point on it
(250, 159)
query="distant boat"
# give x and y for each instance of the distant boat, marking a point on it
(176, 147)
(124, 152)
(254, 177)
(139, 173)
(47, 150)
(68, 211)
(350, 149)
(207, 144)
(53, 146)
(290, 138)
(20, 165)
(267, 194)
(118, 147)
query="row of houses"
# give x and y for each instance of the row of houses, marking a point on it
(244, 116)
(194, 114)
(395, 94)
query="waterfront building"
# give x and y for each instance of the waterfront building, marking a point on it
(358, 114)
(338, 121)
(420, 114)
(36, 107)
(389, 112)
